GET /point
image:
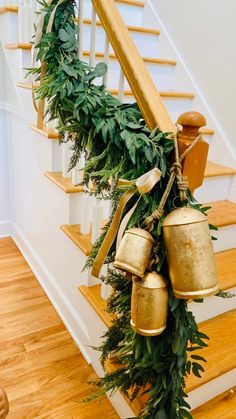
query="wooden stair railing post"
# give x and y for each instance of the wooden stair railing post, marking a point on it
(194, 163)
(41, 105)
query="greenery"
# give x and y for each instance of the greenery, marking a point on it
(118, 144)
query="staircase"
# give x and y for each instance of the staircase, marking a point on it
(55, 222)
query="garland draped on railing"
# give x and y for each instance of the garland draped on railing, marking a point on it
(118, 144)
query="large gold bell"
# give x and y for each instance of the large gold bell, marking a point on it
(190, 254)
(134, 251)
(149, 304)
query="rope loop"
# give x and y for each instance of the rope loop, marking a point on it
(182, 182)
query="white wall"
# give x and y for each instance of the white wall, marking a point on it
(5, 210)
(204, 33)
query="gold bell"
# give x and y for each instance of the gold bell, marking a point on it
(149, 304)
(134, 251)
(190, 254)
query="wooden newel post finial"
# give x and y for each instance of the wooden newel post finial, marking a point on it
(194, 163)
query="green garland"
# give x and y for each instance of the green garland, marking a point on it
(118, 143)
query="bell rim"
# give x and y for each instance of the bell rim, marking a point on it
(126, 267)
(186, 295)
(145, 332)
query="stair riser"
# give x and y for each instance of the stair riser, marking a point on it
(226, 238)
(212, 389)
(9, 28)
(13, 58)
(145, 42)
(214, 189)
(212, 306)
(25, 98)
(131, 15)
(162, 74)
(26, 63)
(81, 205)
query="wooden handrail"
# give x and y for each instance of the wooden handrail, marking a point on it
(140, 81)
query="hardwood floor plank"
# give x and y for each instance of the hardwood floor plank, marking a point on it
(41, 368)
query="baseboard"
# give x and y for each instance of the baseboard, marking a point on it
(58, 299)
(5, 228)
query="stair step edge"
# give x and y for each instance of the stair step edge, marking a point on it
(222, 213)
(63, 183)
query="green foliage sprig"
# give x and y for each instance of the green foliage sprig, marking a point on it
(117, 143)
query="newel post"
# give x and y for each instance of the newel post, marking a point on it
(194, 163)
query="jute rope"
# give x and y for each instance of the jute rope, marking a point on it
(182, 182)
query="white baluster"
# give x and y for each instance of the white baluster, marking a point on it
(66, 156)
(121, 86)
(80, 28)
(106, 60)
(93, 40)
(21, 22)
(28, 21)
(77, 173)
(35, 16)
(106, 291)
(97, 220)
(85, 227)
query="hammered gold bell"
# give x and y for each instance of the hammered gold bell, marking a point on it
(134, 251)
(190, 254)
(149, 304)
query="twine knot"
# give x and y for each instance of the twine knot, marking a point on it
(182, 181)
(156, 215)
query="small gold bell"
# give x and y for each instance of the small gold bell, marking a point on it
(190, 254)
(149, 304)
(134, 251)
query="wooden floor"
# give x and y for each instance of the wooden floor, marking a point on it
(41, 369)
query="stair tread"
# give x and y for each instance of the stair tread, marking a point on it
(50, 133)
(225, 260)
(63, 183)
(136, 3)
(221, 407)
(166, 94)
(150, 60)
(226, 268)
(215, 169)
(93, 296)
(222, 339)
(207, 131)
(145, 59)
(132, 28)
(222, 213)
(83, 241)
(27, 85)
(8, 9)
(20, 45)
